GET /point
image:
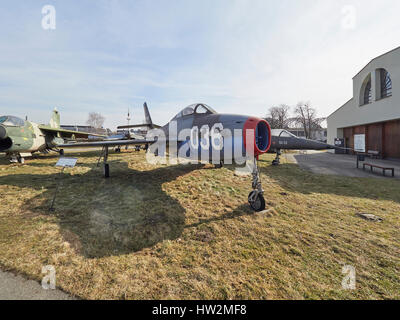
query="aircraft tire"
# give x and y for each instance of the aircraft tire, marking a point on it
(61, 152)
(220, 165)
(21, 160)
(258, 204)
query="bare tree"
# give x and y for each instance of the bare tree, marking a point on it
(306, 116)
(96, 120)
(278, 117)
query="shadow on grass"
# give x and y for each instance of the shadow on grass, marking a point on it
(81, 152)
(243, 210)
(105, 217)
(39, 160)
(292, 178)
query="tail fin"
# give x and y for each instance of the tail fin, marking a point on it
(147, 115)
(55, 119)
(148, 122)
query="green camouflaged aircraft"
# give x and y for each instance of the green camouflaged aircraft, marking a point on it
(20, 138)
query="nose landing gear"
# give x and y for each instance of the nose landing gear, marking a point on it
(277, 160)
(220, 165)
(256, 198)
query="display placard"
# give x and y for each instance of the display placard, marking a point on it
(359, 142)
(66, 162)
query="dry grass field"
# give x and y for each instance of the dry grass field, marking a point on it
(186, 232)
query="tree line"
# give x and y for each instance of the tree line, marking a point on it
(304, 116)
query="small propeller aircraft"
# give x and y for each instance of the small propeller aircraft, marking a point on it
(200, 134)
(20, 138)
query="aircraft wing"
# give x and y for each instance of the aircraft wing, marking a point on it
(139, 126)
(105, 143)
(68, 133)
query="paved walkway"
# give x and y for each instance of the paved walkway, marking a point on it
(14, 287)
(341, 164)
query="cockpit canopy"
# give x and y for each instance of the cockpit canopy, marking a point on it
(197, 108)
(11, 121)
(282, 133)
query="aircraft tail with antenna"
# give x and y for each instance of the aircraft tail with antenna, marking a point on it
(148, 122)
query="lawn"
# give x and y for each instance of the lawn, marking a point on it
(186, 232)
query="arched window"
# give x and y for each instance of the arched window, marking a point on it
(386, 84)
(366, 91)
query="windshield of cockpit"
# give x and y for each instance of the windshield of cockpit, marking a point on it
(286, 134)
(198, 108)
(11, 121)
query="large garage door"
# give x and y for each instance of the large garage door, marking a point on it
(375, 135)
(392, 139)
(348, 138)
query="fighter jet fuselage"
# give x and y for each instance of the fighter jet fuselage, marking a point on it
(283, 139)
(19, 138)
(17, 135)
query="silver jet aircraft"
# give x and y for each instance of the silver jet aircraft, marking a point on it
(200, 134)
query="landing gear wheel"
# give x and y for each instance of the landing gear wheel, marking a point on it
(257, 202)
(277, 160)
(61, 152)
(220, 165)
(21, 160)
(117, 150)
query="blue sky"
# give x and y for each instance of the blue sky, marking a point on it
(237, 56)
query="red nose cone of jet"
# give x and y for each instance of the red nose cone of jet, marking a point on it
(256, 136)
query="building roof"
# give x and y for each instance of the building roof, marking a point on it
(361, 71)
(339, 108)
(375, 59)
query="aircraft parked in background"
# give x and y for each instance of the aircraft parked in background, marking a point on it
(284, 140)
(127, 132)
(20, 138)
